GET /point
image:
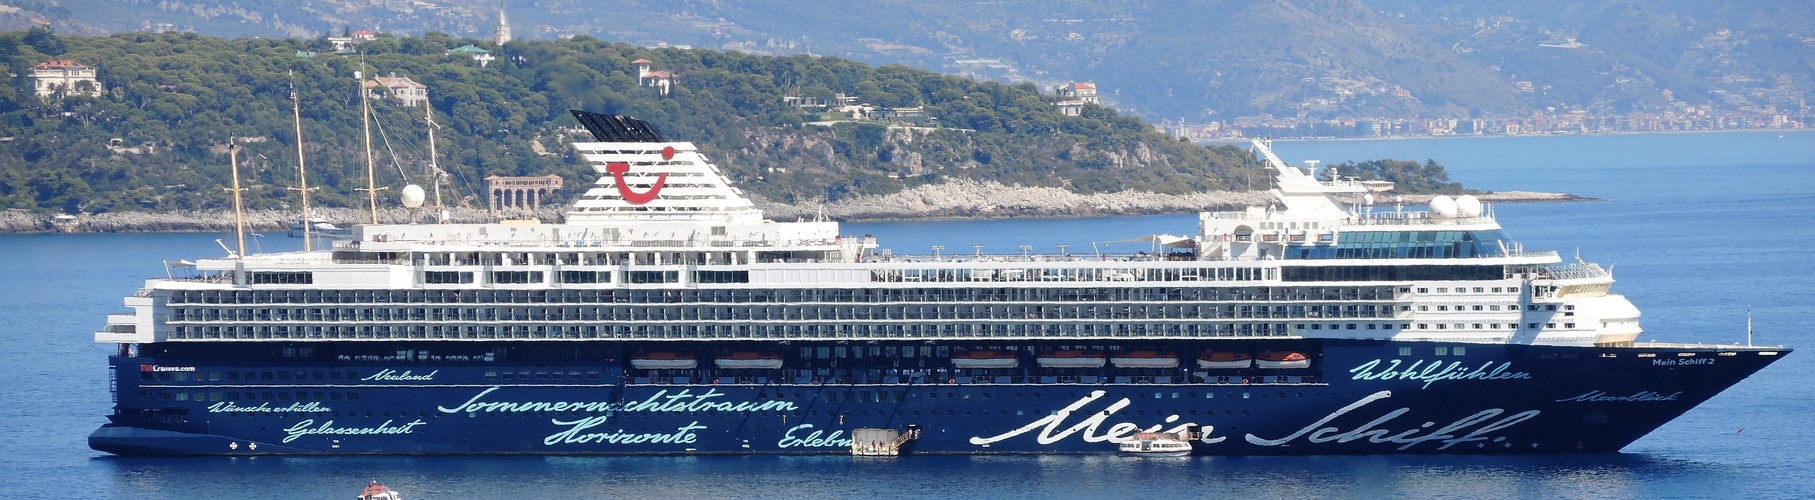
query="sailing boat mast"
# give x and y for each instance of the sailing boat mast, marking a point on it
(365, 117)
(434, 167)
(239, 218)
(302, 179)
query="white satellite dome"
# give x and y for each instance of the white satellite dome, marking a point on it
(1367, 199)
(412, 196)
(1443, 207)
(1468, 206)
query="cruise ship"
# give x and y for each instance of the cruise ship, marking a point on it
(666, 315)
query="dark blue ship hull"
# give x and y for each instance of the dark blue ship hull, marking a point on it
(1357, 397)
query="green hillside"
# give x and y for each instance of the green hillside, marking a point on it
(154, 139)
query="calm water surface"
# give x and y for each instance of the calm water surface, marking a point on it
(1698, 228)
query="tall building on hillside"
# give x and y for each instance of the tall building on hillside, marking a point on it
(502, 35)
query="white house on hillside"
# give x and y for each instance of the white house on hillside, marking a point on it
(64, 77)
(400, 87)
(660, 80)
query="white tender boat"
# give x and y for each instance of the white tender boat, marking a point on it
(1157, 444)
(1071, 359)
(664, 360)
(1145, 359)
(1282, 360)
(985, 359)
(1224, 360)
(748, 360)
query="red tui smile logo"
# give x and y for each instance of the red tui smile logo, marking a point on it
(618, 169)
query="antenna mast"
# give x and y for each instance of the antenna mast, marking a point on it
(428, 111)
(239, 218)
(302, 179)
(365, 117)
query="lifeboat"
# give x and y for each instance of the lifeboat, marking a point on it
(985, 359)
(1144, 359)
(664, 360)
(1224, 360)
(748, 360)
(1071, 359)
(1282, 359)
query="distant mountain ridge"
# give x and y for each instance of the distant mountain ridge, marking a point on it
(1168, 61)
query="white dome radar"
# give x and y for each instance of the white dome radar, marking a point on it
(1468, 206)
(1443, 207)
(412, 196)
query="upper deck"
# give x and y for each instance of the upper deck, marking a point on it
(663, 226)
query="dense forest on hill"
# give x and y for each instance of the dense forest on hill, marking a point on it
(155, 138)
(173, 100)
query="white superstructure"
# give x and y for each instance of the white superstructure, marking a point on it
(663, 247)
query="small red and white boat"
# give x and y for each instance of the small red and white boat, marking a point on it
(664, 360)
(748, 360)
(1144, 359)
(1071, 358)
(377, 491)
(985, 359)
(1282, 359)
(1224, 360)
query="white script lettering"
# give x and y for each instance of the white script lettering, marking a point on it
(573, 435)
(818, 439)
(1435, 371)
(1050, 431)
(1640, 397)
(390, 375)
(297, 407)
(1408, 438)
(661, 401)
(307, 427)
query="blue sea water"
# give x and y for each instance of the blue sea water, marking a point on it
(1698, 228)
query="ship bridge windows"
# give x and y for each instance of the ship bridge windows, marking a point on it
(282, 278)
(1394, 273)
(653, 276)
(1409, 245)
(515, 277)
(447, 277)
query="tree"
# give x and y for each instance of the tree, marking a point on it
(46, 42)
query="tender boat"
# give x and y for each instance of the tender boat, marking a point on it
(1145, 359)
(1224, 360)
(985, 359)
(1071, 358)
(1282, 360)
(875, 442)
(664, 360)
(1157, 444)
(748, 360)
